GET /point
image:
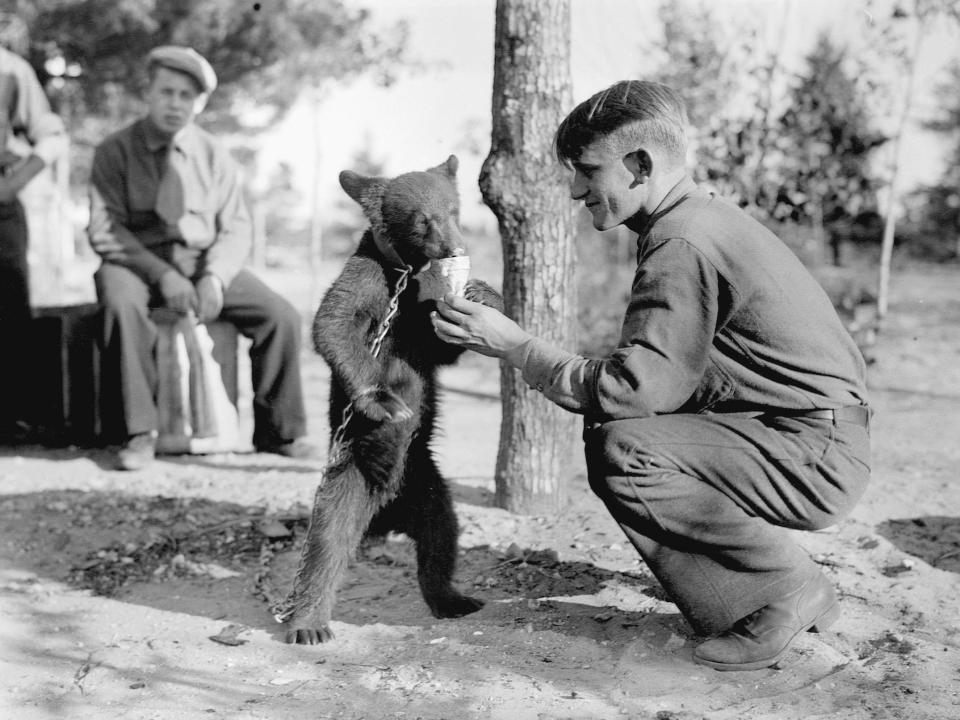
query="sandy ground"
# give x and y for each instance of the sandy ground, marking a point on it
(145, 595)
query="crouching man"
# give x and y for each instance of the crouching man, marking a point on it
(734, 406)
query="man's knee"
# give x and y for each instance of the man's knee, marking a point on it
(614, 449)
(120, 292)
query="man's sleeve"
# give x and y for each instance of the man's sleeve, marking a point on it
(665, 344)
(108, 232)
(229, 252)
(43, 128)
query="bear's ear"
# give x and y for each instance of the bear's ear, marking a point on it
(448, 167)
(367, 191)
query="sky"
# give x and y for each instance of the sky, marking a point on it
(445, 109)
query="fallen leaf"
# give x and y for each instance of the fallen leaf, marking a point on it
(228, 636)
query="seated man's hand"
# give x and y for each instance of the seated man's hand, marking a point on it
(209, 297)
(178, 292)
(459, 321)
(9, 161)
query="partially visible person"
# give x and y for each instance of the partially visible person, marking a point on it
(168, 219)
(32, 137)
(734, 408)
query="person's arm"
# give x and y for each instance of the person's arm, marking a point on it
(43, 129)
(109, 235)
(667, 335)
(17, 175)
(229, 251)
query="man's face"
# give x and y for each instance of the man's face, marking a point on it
(172, 100)
(602, 180)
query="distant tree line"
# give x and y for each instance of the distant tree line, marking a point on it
(801, 147)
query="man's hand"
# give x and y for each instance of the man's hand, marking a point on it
(477, 327)
(9, 161)
(178, 292)
(209, 297)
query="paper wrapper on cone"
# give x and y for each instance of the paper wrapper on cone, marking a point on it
(446, 275)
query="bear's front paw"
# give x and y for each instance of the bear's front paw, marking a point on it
(381, 405)
(309, 636)
(478, 291)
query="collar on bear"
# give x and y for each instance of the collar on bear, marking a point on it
(386, 249)
(391, 255)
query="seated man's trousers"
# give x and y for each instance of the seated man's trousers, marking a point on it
(271, 322)
(707, 499)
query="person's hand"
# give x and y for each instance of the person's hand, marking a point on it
(477, 327)
(209, 297)
(9, 161)
(178, 292)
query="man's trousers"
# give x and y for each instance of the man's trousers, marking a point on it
(273, 325)
(15, 378)
(706, 500)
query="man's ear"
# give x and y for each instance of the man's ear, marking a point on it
(639, 164)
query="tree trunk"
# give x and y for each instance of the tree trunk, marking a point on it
(893, 196)
(525, 186)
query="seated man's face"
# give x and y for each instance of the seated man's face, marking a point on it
(173, 100)
(605, 185)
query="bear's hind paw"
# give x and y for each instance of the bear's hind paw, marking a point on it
(455, 606)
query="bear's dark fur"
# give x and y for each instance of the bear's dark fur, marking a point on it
(387, 478)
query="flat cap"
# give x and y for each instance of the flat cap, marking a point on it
(186, 60)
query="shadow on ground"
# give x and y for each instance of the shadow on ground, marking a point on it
(230, 561)
(933, 539)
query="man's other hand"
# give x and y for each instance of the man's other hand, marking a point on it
(480, 328)
(178, 292)
(209, 297)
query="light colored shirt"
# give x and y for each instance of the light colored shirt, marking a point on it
(28, 126)
(215, 233)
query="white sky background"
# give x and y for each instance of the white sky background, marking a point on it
(423, 118)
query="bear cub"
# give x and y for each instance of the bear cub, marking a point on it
(385, 478)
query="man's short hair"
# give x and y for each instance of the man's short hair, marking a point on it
(650, 111)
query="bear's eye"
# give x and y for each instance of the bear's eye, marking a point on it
(420, 224)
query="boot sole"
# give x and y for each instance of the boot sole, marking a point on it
(823, 621)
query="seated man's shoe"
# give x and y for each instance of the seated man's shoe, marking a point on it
(138, 452)
(298, 449)
(761, 638)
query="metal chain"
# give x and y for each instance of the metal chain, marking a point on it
(284, 609)
(337, 444)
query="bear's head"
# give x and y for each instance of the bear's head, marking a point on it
(415, 215)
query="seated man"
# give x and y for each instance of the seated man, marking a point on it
(735, 404)
(168, 219)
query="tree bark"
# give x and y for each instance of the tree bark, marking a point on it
(525, 186)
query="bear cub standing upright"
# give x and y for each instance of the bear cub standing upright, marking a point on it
(386, 477)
